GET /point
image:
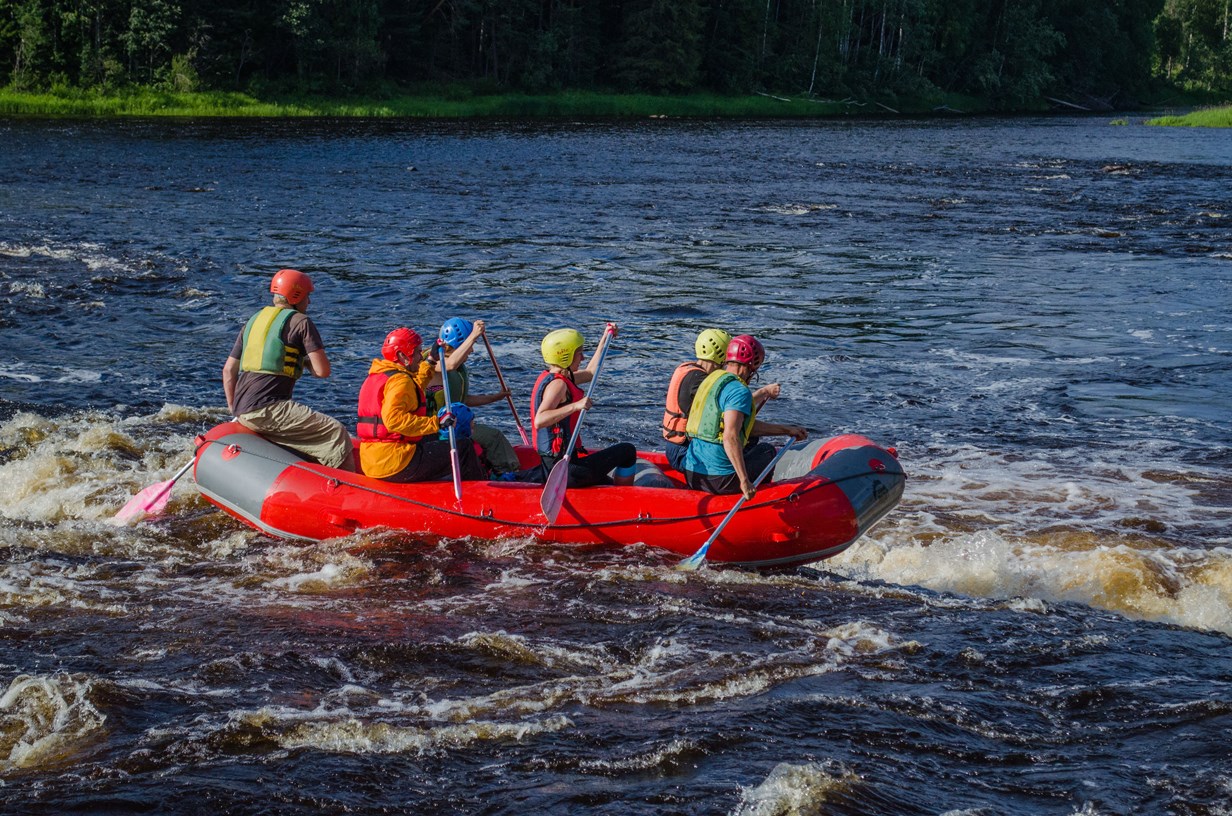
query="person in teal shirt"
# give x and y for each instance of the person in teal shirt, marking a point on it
(722, 419)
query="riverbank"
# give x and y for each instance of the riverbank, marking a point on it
(462, 103)
(1209, 117)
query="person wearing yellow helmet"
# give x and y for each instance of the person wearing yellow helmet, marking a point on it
(276, 346)
(711, 350)
(555, 403)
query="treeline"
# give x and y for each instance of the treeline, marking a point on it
(1012, 52)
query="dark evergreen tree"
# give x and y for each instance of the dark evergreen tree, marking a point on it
(661, 45)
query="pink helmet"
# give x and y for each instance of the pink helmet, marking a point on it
(291, 284)
(401, 341)
(747, 349)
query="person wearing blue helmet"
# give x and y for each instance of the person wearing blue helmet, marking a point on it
(459, 336)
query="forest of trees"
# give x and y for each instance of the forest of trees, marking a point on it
(1011, 52)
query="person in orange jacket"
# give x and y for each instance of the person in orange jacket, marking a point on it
(398, 432)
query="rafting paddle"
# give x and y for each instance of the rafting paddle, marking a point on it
(453, 439)
(508, 397)
(151, 501)
(695, 560)
(558, 480)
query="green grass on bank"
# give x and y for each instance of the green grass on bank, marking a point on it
(1209, 117)
(454, 105)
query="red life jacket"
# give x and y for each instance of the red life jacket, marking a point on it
(680, 392)
(556, 436)
(370, 427)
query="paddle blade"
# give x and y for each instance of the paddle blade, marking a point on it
(554, 490)
(149, 502)
(694, 561)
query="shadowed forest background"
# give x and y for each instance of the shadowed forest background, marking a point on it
(1013, 53)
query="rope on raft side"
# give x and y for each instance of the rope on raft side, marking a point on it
(793, 496)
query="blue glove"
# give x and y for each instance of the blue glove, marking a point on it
(458, 415)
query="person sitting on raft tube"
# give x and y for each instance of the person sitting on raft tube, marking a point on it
(398, 431)
(711, 349)
(722, 419)
(277, 345)
(555, 404)
(459, 336)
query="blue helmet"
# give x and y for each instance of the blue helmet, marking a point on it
(455, 330)
(463, 416)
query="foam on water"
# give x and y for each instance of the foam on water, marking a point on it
(92, 255)
(32, 584)
(1186, 587)
(796, 790)
(81, 465)
(361, 737)
(45, 720)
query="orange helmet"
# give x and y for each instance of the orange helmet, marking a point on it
(400, 341)
(291, 284)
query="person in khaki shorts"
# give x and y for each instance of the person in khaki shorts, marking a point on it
(276, 346)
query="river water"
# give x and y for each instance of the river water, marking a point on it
(1035, 312)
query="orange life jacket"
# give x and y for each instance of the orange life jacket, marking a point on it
(685, 379)
(370, 427)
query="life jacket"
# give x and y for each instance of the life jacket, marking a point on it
(459, 386)
(705, 418)
(370, 427)
(263, 350)
(687, 376)
(554, 438)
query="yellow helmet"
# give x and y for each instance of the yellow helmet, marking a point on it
(712, 345)
(559, 346)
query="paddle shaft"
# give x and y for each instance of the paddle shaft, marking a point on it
(508, 397)
(454, 462)
(700, 555)
(590, 387)
(173, 480)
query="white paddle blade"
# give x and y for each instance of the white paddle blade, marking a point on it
(554, 490)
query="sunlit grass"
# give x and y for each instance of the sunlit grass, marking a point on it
(1208, 117)
(447, 104)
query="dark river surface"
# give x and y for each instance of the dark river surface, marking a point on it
(1034, 311)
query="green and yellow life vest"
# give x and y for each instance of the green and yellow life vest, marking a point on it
(264, 352)
(705, 418)
(459, 387)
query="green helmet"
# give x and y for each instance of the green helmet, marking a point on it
(559, 346)
(712, 345)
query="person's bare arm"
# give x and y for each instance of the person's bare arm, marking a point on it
(547, 417)
(733, 446)
(318, 364)
(230, 375)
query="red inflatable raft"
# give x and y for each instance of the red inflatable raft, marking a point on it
(826, 495)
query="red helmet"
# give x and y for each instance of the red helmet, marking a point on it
(291, 284)
(400, 341)
(747, 349)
